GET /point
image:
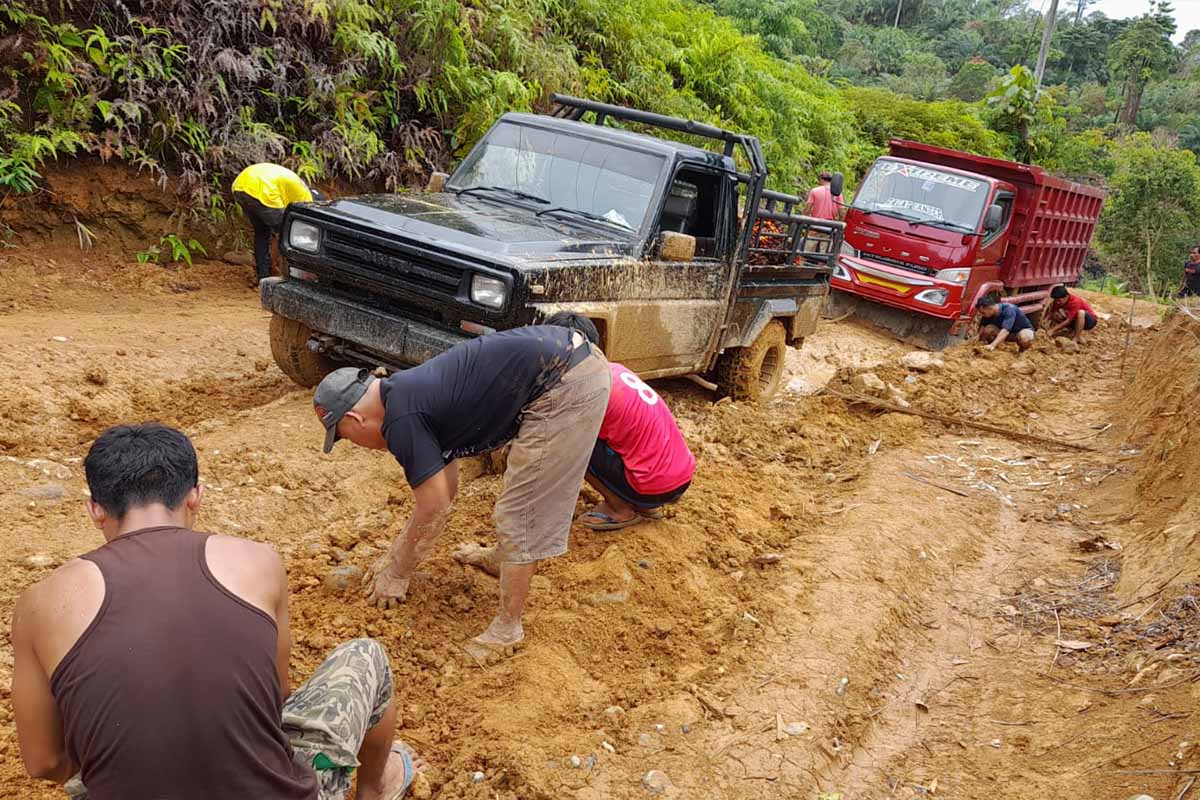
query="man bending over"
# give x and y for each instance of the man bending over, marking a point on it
(542, 387)
(157, 665)
(640, 462)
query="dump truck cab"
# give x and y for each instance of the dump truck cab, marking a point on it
(932, 230)
(925, 238)
(643, 235)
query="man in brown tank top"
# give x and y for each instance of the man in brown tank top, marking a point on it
(157, 665)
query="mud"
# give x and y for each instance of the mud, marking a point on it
(809, 619)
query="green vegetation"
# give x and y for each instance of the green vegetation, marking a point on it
(376, 93)
(171, 249)
(1149, 219)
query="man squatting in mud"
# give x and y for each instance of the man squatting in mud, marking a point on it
(544, 388)
(1003, 322)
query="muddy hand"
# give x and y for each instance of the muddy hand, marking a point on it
(382, 587)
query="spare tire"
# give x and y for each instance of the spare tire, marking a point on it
(754, 372)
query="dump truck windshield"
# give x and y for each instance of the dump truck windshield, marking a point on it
(602, 183)
(921, 194)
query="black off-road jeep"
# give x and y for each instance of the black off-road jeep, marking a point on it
(684, 261)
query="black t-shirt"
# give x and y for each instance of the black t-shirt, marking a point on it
(470, 398)
(1191, 279)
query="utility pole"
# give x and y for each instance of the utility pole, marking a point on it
(1051, 15)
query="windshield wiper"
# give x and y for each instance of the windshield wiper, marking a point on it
(513, 192)
(943, 223)
(585, 214)
(887, 212)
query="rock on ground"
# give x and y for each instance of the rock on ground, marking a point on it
(922, 361)
(341, 578)
(868, 383)
(656, 781)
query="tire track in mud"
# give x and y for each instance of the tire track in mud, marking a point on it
(67, 377)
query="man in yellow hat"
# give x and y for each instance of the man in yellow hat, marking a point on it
(264, 191)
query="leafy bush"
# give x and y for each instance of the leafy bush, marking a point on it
(376, 92)
(1148, 222)
(882, 115)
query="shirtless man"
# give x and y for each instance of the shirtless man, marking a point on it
(157, 665)
(542, 387)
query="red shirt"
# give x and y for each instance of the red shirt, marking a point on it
(1073, 304)
(820, 203)
(639, 427)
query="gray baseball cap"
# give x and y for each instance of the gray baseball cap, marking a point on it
(337, 393)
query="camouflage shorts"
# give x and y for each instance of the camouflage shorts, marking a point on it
(327, 717)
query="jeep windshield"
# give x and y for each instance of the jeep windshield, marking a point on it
(574, 177)
(920, 194)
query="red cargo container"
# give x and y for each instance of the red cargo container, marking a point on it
(933, 230)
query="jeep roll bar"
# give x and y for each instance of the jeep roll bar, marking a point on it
(574, 108)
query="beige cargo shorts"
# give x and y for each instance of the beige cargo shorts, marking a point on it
(547, 461)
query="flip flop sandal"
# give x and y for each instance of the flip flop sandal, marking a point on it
(608, 523)
(651, 513)
(410, 774)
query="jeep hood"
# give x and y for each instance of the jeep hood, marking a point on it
(474, 223)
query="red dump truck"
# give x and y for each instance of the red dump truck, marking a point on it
(932, 230)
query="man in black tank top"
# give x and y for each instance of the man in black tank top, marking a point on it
(157, 665)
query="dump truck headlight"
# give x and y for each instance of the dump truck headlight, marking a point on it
(303, 236)
(490, 292)
(848, 249)
(934, 297)
(840, 272)
(959, 275)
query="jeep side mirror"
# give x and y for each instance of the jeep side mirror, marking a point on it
(437, 182)
(674, 246)
(995, 215)
(837, 184)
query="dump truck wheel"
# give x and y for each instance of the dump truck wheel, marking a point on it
(754, 372)
(289, 347)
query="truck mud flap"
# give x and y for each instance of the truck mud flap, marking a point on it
(394, 339)
(927, 333)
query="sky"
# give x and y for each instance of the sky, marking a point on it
(1187, 12)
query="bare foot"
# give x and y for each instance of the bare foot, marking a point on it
(498, 642)
(396, 777)
(487, 653)
(472, 554)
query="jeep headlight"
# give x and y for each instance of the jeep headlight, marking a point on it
(304, 236)
(488, 291)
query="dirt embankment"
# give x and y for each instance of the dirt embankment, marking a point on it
(1160, 502)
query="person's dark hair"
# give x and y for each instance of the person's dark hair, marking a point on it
(988, 300)
(825, 176)
(1058, 292)
(138, 465)
(576, 322)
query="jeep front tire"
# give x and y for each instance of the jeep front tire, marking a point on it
(289, 347)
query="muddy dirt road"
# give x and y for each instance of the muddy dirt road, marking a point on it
(846, 603)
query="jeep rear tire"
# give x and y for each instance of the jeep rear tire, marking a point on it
(289, 347)
(753, 373)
